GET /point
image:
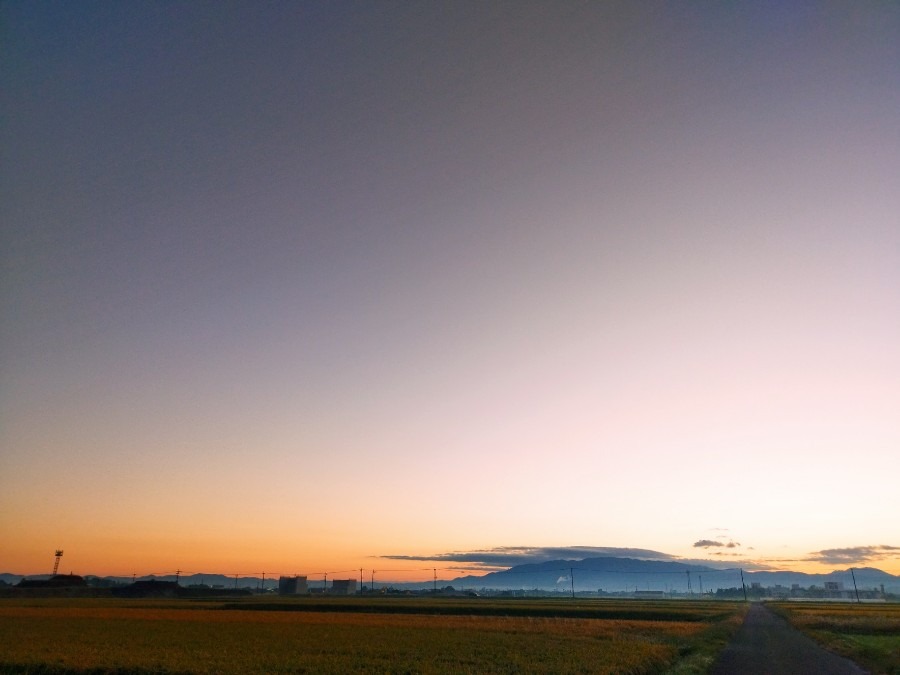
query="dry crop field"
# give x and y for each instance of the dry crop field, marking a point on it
(866, 633)
(360, 636)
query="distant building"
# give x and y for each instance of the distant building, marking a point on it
(779, 591)
(343, 586)
(835, 589)
(649, 594)
(292, 586)
(56, 581)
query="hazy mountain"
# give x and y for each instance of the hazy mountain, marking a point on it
(628, 574)
(591, 574)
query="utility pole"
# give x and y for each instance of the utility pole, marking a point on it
(325, 583)
(177, 575)
(373, 580)
(743, 585)
(435, 580)
(360, 580)
(854, 584)
(572, 579)
(690, 590)
(700, 578)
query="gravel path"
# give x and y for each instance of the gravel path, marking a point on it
(766, 644)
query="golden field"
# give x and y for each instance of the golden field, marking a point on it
(403, 636)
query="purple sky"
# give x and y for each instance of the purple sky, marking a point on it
(491, 274)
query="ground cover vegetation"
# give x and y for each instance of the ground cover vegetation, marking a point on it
(307, 635)
(868, 634)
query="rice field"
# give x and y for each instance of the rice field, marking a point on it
(360, 636)
(869, 634)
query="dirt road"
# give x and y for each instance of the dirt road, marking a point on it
(766, 644)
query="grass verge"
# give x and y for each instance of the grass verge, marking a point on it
(868, 634)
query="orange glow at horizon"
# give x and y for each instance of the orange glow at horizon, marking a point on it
(253, 560)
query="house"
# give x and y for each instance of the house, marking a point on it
(343, 587)
(295, 585)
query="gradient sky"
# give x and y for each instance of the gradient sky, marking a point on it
(291, 286)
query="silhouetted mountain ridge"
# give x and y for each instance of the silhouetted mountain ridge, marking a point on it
(630, 574)
(608, 564)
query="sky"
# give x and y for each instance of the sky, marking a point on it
(309, 287)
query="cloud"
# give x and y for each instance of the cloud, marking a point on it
(759, 565)
(710, 543)
(494, 559)
(723, 560)
(854, 554)
(508, 556)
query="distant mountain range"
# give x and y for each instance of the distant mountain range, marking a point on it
(591, 574)
(629, 574)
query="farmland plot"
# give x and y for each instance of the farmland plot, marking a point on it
(177, 636)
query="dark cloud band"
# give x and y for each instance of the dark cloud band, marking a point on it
(519, 555)
(854, 554)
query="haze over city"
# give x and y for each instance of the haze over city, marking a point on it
(323, 286)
